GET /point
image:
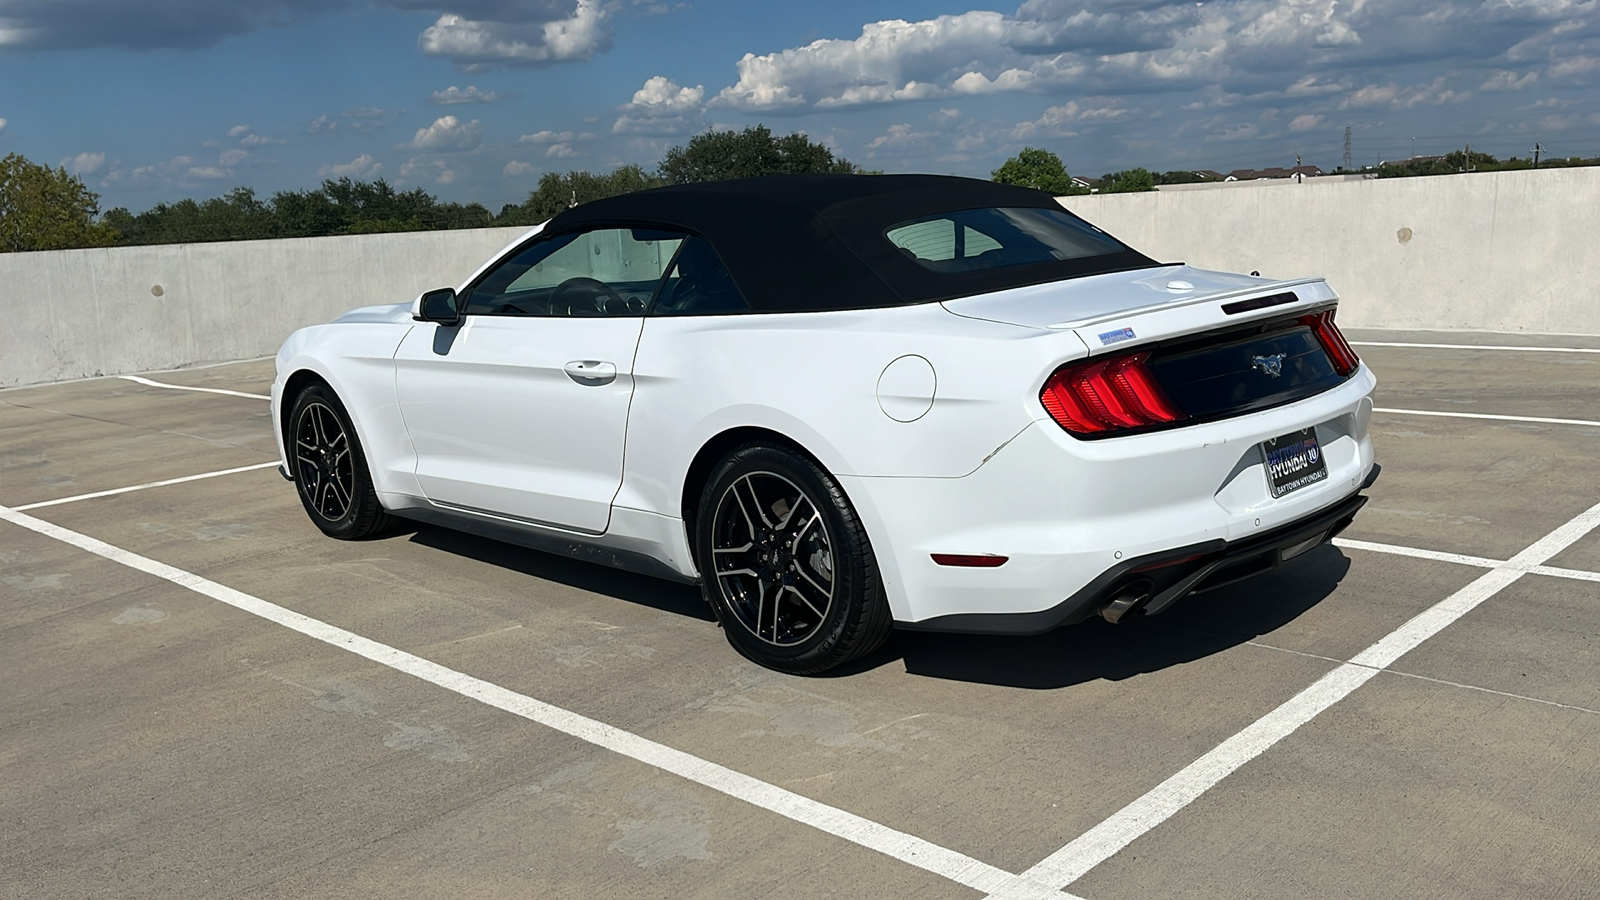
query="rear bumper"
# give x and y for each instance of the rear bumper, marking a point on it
(1149, 584)
(1065, 512)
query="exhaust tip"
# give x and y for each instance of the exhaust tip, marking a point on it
(1127, 602)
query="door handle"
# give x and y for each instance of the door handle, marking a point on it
(591, 372)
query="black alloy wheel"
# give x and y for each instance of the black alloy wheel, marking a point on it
(786, 564)
(330, 471)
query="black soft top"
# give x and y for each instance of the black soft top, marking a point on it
(816, 242)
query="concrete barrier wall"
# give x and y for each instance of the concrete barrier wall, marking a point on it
(1504, 251)
(1493, 251)
(76, 313)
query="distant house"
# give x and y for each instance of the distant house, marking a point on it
(1272, 172)
(1092, 184)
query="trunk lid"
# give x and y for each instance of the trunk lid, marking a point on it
(1124, 308)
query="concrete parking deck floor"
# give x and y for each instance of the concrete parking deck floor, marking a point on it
(1333, 728)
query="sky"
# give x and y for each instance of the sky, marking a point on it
(156, 100)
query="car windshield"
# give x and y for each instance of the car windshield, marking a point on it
(975, 239)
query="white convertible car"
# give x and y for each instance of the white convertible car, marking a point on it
(843, 404)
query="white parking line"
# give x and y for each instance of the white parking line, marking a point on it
(140, 487)
(864, 832)
(1106, 839)
(1482, 562)
(1467, 415)
(1435, 555)
(185, 387)
(1558, 572)
(1475, 347)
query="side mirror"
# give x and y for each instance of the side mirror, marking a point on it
(438, 306)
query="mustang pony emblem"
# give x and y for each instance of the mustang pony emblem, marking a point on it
(1271, 366)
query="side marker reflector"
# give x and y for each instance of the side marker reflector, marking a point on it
(970, 561)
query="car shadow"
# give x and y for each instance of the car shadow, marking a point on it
(656, 593)
(1191, 629)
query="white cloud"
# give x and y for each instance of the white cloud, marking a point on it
(1235, 132)
(230, 158)
(1009, 80)
(662, 96)
(1239, 47)
(1060, 121)
(516, 167)
(662, 107)
(177, 172)
(363, 166)
(889, 58)
(1371, 95)
(363, 118)
(898, 137)
(1306, 122)
(538, 35)
(260, 140)
(1397, 97)
(864, 94)
(238, 131)
(561, 151)
(546, 137)
(2, 124)
(1573, 67)
(1312, 86)
(1509, 81)
(82, 164)
(447, 134)
(470, 94)
(418, 166)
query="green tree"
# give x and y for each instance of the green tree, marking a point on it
(721, 155)
(47, 209)
(559, 191)
(1182, 177)
(1038, 169)
(1127, 181)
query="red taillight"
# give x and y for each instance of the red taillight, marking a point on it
(1101, 395)
(1333, 343)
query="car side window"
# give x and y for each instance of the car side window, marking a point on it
(606, 272)
(698, 284)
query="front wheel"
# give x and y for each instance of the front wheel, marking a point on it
(330, 471)
(786, 564)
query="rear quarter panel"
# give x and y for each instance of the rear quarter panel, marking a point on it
(813, 377)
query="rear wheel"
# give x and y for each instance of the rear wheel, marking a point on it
(330, 471)
(786, 564)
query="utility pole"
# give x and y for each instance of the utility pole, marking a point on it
(1537, 149)
(1347, 148)
(1413, 148)
(1298, 177)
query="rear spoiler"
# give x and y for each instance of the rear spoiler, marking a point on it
(1174, 318)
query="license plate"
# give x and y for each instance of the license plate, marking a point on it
(1294, 460)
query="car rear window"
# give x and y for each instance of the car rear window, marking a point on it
(971, 240)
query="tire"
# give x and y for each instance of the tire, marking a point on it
(786, 564)
(330, 471)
